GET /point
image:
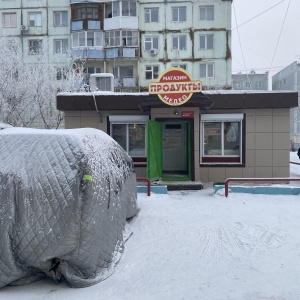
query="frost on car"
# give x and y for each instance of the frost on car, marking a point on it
(65, 199)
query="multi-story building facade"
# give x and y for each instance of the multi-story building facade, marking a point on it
(38, 23)
(289, 79)
(251, 81)
(134, 40)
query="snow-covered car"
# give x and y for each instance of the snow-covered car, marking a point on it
(65, 197)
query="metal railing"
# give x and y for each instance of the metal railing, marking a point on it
(142, 179)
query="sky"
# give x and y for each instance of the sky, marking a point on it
(190, 245)
(270, 41)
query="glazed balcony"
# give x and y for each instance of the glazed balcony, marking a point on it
(88, 53)
(122, 52)
(86, 25)
(125, 82)
(121, 22)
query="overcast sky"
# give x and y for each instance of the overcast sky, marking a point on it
(257, 39)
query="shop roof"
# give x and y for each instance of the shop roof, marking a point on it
(208, 100)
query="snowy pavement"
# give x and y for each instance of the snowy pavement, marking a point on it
(200, 245)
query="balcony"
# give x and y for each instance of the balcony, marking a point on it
(121, 22)
(125, 82)
(88, 53)
(122, 52)
(85, 1)
(86, 25)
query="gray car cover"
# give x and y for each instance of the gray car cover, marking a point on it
(65, 196)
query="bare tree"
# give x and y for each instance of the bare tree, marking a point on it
(29, 84)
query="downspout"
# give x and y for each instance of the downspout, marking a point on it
(96, 107)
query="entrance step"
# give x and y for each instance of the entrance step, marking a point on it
(179, 185)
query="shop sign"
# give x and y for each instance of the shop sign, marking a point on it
(175, 87)
(187, 114)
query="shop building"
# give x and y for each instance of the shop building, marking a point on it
(213, 136)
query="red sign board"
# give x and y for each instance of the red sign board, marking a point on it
(187, 114)
(175, 87)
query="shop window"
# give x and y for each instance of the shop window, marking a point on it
(222, 139)
(130, 133)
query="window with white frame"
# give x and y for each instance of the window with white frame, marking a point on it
(130, 133)
(35, 19)
(61, 73)
(248, 84)
(124, 8)
(127, 38)
(206, 41)
(206, 12)
(151, 15)
(87, 38)
(179, 42)
(152, 72)
(35, 47)
(9, 20)
(60, 18)
(221, 138)
(151, 42)
(182, 66)
(61, 46)
(179, 14)
(207, 70)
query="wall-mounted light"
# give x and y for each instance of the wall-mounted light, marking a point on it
(176, 112)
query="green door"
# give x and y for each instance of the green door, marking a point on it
(154, 150)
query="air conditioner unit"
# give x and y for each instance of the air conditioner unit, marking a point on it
(102, 82)
(153, 52)
(24, 28)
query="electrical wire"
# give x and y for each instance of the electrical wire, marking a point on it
(238, 33)
(257, 15)
(280, 35)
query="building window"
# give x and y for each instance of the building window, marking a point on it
(182, 66)
(179, 14)
(60, 18)
(35, 47)
(87, 11)
(248, 84)
(207, 70)
(9, 20)
(123, 76)
(115, 38)
(221, 138)
(179, 42)
(206, 41)
(206, 12)
(151, 43)
(123, 8)
(130, 133)
(152, 72)
(87, 38)
(61, 46)
(35, 20)
(258, 84)
(151, 15)
(238, 85)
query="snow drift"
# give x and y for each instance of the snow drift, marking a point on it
(65, 197)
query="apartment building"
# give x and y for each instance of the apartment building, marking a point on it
(251, 81)
(289, 79)
(38, 23)
(134, 40)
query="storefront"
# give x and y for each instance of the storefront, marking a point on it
(213, 136)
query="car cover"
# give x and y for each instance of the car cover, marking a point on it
(65, 198)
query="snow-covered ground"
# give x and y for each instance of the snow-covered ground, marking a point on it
(200, 245)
